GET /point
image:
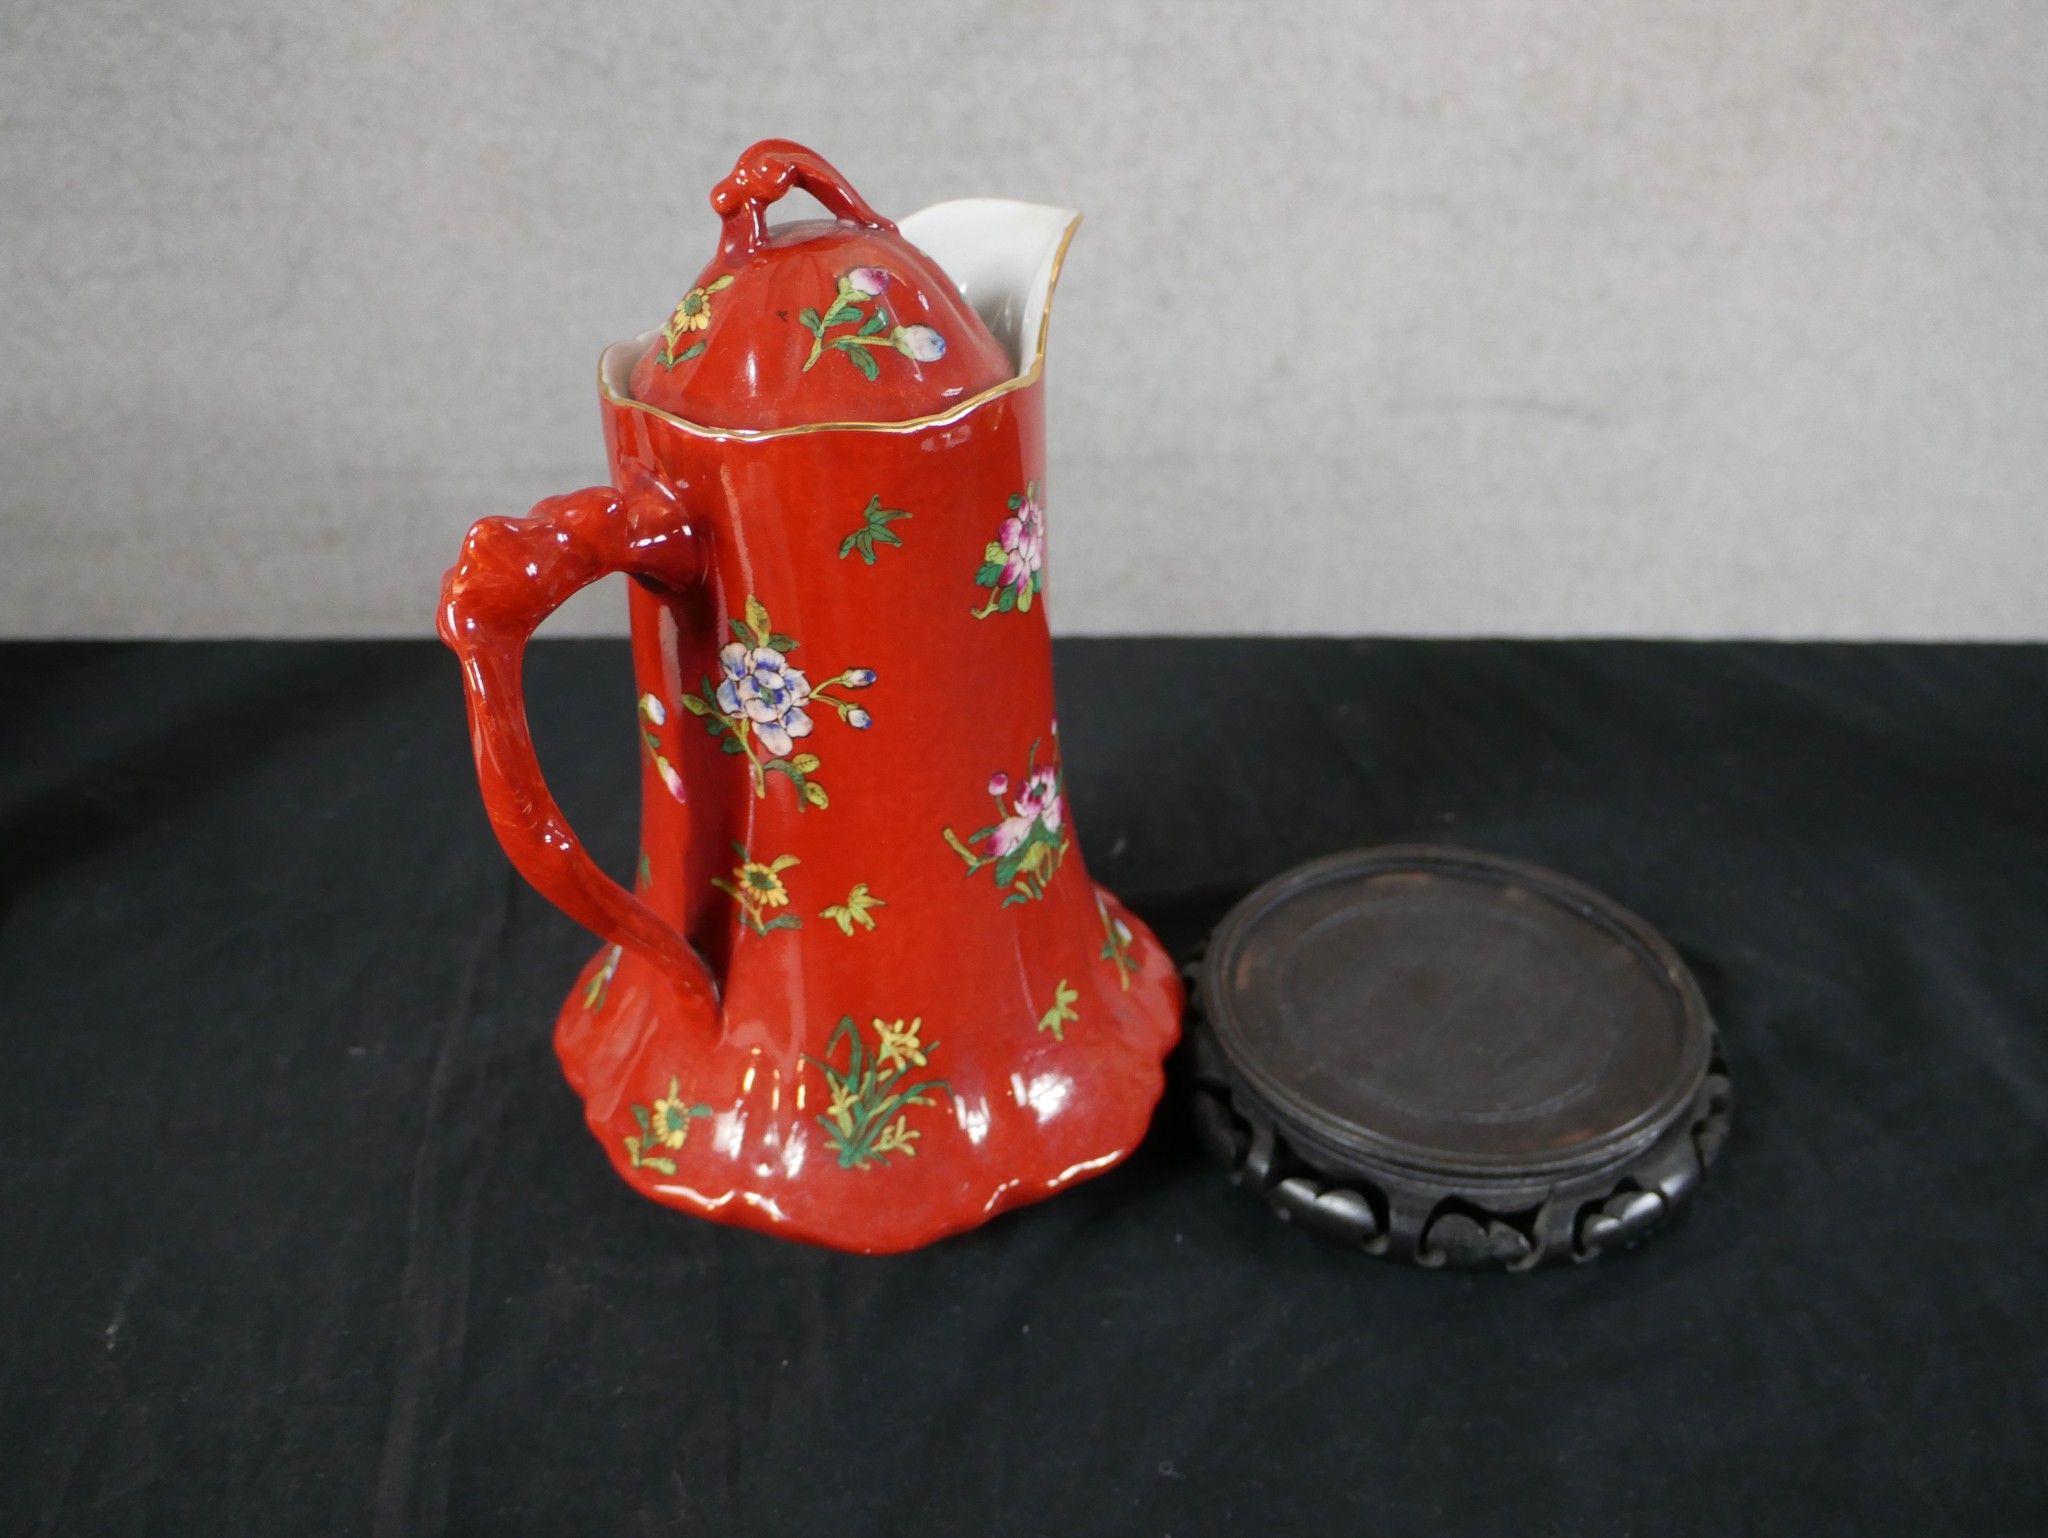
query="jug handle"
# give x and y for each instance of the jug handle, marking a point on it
(513, 573)
(765, 173)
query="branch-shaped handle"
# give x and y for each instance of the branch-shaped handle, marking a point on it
(765, 173)
(514, 573)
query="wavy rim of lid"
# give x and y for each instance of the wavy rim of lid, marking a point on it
(615, 365)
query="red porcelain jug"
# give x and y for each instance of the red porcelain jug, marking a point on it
(863, 993)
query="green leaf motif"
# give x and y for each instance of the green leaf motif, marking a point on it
(601, 980)
(1062, 1012)
(855, 910)
(693, 705)
(862, 358)
(1008, 866)
(809, 318)
(865, 1098)
(875, 323)
(757, 620)
(874, 530)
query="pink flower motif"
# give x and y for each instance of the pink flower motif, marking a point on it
(1040, 799)
(867, 280)
(670, 778)
(1022, 537)
(998, 783)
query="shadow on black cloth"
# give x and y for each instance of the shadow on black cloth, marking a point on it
(304, 1233)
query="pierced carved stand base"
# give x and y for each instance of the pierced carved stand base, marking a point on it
(1455, 1061)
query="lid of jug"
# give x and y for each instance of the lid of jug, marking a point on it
(830, 320)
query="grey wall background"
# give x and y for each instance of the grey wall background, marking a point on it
(1534, 318)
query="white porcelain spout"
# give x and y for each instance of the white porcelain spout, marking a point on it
(1005, 258)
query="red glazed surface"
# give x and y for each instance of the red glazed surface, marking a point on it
(822, 1015)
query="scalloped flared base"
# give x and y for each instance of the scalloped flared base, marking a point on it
(1025, 1110)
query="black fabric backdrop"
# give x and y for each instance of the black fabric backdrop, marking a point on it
(300, 1231)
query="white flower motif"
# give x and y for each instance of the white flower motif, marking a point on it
(760, 684)
(922, 343)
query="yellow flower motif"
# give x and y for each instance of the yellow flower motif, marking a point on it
(897, 1139)
(672, 1117)
(757, 887)
(841, 1108)
(666, 1126)
(763, 884)
(898, 1044)
(693, 311)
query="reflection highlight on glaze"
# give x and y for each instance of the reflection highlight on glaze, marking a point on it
(973, 1117)
(1047, 1094)
(728, 1129)
(1085, 1167)
(697, 1198)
